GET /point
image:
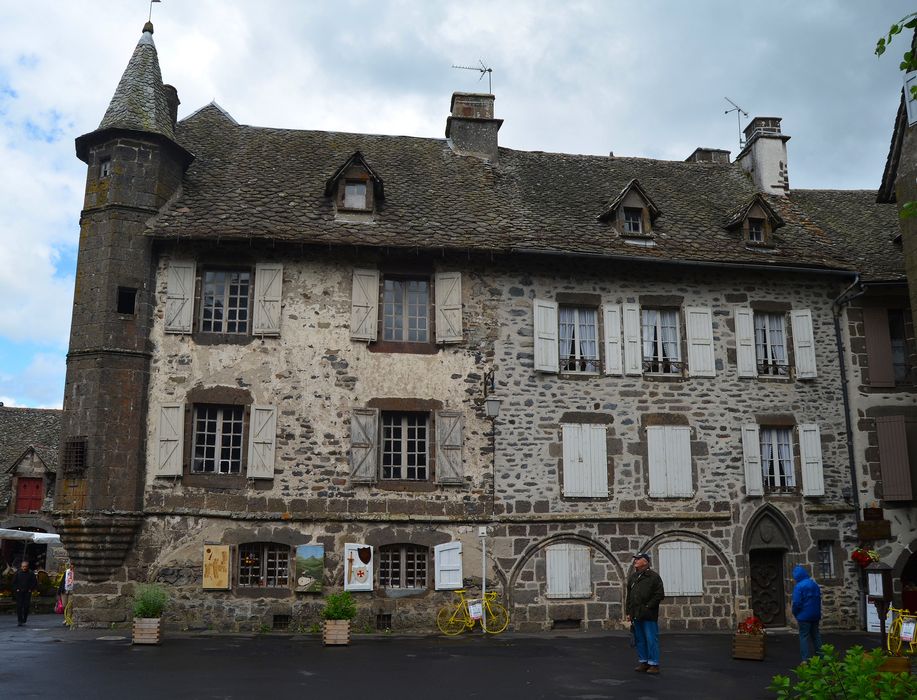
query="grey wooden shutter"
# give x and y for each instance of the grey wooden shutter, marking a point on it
(878, 347)
(699, 327)
(803, 343)
(613, 355)
(598, 460)
(179, 314)
(268, 294)
(655, 455)
(262, 441)
(557, 567)
(448, 293)
(633, 349)
(580, 563)
(170, 439)
(893, 459)
(680, 567)
(364, 444)
(679, 478)
(751, 453)
(449, 439)
(447, 568)
(746, 358)
(577, 459)
(364, 305)
(546, 351)
(813, 480)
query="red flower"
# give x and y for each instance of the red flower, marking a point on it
(751, 625)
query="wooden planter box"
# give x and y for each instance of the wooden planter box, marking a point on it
(146, 630)
(336, 632)
(896, 664)
(748, 646)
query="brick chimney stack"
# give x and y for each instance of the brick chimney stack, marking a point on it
(764, 155)
(472, 129)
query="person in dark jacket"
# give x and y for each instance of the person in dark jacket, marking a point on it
(807, 611)
(24, 582)
(644, 593)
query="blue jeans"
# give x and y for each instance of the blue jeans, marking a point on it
(646, 635)
(809, 631)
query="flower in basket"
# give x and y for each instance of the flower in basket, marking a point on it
(751, 625)
(864, 557)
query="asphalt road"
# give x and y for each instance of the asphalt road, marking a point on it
(44, 659)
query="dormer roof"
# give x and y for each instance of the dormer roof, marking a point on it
(633, 185)
(741, 213)
(357, 159)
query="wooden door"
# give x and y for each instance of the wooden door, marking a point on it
(768, 594)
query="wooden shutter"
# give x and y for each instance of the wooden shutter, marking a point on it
(576, 467)
(364, 305)
(546, 354)
(364, 450)
(558, 570)
(598, 460)
(681, 568)
(633, 351)
(746, 359)
(613, 358)
(655, 439)
(893, 458)
(179, 316)
(751, 453)
(448, 294)
(813, 481)
(170, 432)
(447, 560)
(580, 580)
(680, 481)
(699, 325)
(449, 438)
(262, 441)
(878, 347)
(268, 291)
(803, 343)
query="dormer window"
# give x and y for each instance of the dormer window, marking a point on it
(355, 195)
(633, 220)
(355, 189)
(755, 220)
(756, 230)
(632, 213)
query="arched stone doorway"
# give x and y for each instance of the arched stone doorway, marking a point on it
(768, 538)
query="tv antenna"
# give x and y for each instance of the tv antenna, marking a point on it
(739, 113)
(482, 69)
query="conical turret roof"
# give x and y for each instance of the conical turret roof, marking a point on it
(140, 102)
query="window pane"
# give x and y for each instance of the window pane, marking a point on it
(393, 310)
(405, 446)
(355, 195)
(577, 339)
(633, 220)
(224, 301)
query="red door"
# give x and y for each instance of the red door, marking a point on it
(29, 494)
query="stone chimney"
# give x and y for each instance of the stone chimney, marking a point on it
(708, 155)
(173, 102)
(764, 155)
(472, 129)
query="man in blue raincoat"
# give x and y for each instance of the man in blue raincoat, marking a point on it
(807, 611)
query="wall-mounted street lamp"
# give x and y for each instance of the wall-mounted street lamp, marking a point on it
(491, 403)
(492, 410)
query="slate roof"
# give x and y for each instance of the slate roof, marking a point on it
(251, 182)
(22, 428)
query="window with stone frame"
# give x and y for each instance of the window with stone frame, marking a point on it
(225, 301)
(770, 343)
(756, 230)
(826, 559)
(406, 309)
(577, 333)
(403, 566)
(661, 341)
(74, 457)
(264, 565)
(217, 439)
(777, 463)
(405, 445)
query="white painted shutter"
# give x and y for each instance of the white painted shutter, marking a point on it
(679, 479)
(576, 469)
(699, 324)
(268, 294)
(364, 431)
(179, 315)
(364, 305)
(655, 439)
(580, 583)
(447, 560)
(170, 439)
(358, 574)
(803, 343)
(751, 453)
(598, 460)
(613, 358)
(813, 480)
(449, 438)
(558, 568)
(746, 359)
(546, 352)
(633, 350)
(448, 294)
(262, 440)
(681, 568)
(910, 80)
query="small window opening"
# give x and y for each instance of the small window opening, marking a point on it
(355, 195)
(105, 167)
(756, 230)
(280, 623)
(826, 558)
(566, 624)
(633, 220)
(127, 298)
(74, 459)
(384, 622)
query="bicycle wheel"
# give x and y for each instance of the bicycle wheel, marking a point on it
(894, 636)
(497, 618)
(451, 620)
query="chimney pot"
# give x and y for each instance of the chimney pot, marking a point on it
(764, 155)
(708, 155)
(471, 127)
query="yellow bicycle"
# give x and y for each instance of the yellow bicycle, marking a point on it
(905, 622)
(455, 619)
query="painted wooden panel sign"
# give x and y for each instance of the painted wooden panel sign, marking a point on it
(216, 567)
(310, 568)
(358, 567)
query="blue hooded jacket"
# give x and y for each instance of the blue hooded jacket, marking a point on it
(806, 597)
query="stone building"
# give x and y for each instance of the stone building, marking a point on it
(285, 339)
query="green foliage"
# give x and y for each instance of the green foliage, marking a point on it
(908, 210)
(150, 600)
(828, 677)
(339, 606)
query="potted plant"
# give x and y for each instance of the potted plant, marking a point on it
(864, 557)
(149, 602)
(339, 610)
(748, 641)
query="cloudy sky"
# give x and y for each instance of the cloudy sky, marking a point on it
(640, 78)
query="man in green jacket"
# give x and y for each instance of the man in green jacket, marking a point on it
(644, 593)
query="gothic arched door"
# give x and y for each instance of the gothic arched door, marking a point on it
(768, 594)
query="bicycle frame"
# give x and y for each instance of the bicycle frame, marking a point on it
(903, 621)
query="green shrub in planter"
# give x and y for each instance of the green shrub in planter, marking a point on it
(150, 600)
(339, 606)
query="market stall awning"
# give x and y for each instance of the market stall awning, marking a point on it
(37, 537)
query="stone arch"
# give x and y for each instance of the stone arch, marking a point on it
(533, 549)
(768, 528)
(767, 541)
(695, 536)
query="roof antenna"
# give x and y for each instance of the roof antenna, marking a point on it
(483, 69)
(739, 113)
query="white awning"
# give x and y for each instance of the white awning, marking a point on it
(38, 537)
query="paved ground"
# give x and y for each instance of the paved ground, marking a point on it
(44, 659)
